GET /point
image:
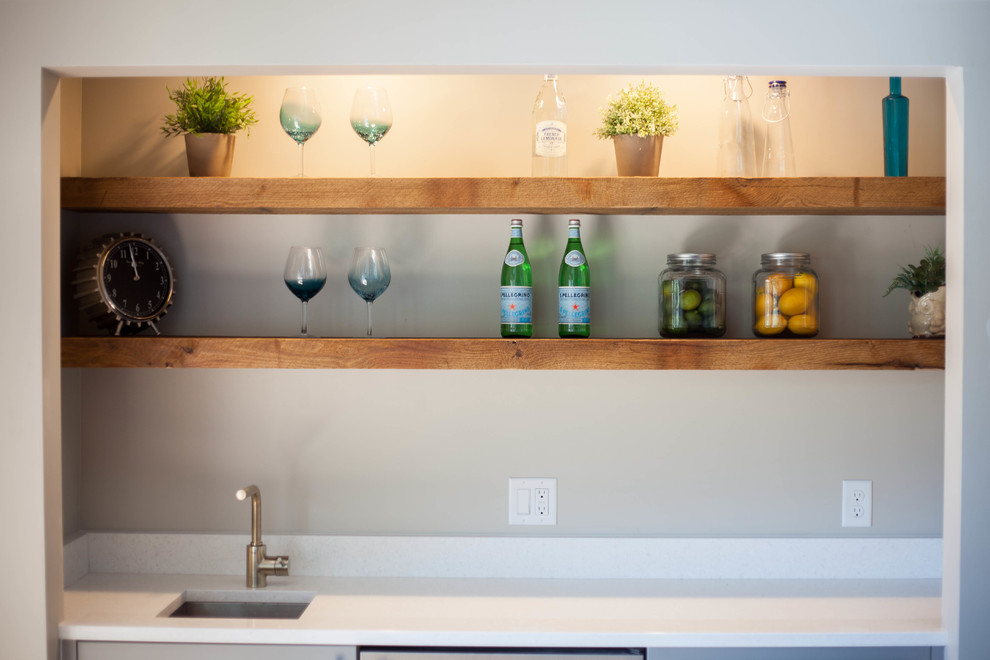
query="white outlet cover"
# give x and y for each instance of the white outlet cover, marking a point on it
(525, 508)
(857, 503)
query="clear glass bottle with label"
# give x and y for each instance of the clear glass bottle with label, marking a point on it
(550, 130)
(574, 287)
(517, 287)
(692, 297)
(785, 296)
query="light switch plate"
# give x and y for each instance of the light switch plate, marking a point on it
(532, 501)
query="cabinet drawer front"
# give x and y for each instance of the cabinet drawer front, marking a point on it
(156, 651)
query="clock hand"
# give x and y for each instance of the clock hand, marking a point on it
(134, 264)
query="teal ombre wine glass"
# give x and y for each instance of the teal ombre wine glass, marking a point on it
(369, 275)
(305, 274)
(300, 116)
(371, 117)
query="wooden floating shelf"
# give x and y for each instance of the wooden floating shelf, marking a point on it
(517, 195)
(632, 354)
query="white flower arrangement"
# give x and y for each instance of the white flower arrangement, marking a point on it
(638, 110)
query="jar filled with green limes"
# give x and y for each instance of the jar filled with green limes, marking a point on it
(785, 296)
(692, 297)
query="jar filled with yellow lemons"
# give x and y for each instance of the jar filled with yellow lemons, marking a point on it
(785, 296)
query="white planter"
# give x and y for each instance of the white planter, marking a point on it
(927, 314)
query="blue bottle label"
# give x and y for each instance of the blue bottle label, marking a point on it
(514, 258)
(517, 304)
(574, 258)
(575, 304)
(573, 232)
(515, 232)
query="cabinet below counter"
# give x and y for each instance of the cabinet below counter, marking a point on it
(559, 613)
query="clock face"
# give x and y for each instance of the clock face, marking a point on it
(135, 279)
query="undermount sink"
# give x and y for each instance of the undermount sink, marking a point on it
(239, 605)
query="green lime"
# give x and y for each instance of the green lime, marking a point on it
(690, 299)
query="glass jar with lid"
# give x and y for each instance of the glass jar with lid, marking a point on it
(785, 296)
(692, 297)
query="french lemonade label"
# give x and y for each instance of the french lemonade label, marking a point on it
(514, 258)
(517, 304)
(575, 305)
(551, 138)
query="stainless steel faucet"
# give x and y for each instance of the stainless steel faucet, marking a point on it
(259, 566)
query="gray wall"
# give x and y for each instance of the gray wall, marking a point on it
(407, 452)
(430, 453)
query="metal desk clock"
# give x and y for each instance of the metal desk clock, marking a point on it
(124, 283)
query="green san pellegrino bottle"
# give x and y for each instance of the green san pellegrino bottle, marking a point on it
(517, 287)
(574, 290)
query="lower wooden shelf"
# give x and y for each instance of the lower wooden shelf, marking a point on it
(629, 354)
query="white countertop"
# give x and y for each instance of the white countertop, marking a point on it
(523, 612)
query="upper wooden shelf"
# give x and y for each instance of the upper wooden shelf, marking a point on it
(538, 195)
(361, 353)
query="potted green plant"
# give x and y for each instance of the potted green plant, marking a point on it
(208, 116)
(636, 121)
(926, 282)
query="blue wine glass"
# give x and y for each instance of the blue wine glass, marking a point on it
(371, 117)
(300, 117)
(369, 275)
(305, 274)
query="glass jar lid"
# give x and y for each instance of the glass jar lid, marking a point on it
(780, 258)
(691, 259)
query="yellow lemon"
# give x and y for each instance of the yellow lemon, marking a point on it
(778, 283)
(770, 324)
(806, 281)
(794, 301)
(803, 324)
(764, 303)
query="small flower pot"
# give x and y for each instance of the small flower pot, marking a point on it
(209, 154)
(927, 314)
(638, 156)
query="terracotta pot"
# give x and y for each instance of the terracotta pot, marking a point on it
(927, 314)
(209, 154)
(638, 156)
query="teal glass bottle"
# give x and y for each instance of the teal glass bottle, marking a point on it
(517, 286)
(574, 287)
(895, 131)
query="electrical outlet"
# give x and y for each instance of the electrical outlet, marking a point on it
(857, 503)
(532, 501)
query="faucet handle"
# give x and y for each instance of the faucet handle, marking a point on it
(280, 565)
(246, 492)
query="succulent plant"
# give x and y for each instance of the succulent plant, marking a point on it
(924, 278)
(638, 110)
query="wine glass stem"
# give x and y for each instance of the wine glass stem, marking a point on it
(372, 148)
(301, 169)
(369, 318)
(305, 329)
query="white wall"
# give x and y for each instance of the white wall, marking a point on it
(915, 38)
